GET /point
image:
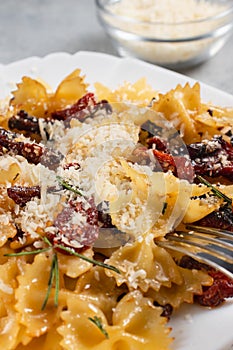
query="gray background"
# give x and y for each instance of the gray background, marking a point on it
(39, 27)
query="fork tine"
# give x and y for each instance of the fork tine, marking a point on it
(202, 245)
(206, 244)
(207, 238)
(218, 232)
(209, 259)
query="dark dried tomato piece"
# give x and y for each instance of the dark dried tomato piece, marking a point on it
(33, 152)
(157, 143)
(188, 262)
(222, 219)
(21, 195)
(221, 289)
(166, 161)
(24, 122)
(85, 107)
(83, 103)
(159, 160)
(212, 157)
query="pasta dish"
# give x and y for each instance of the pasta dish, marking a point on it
(91, 182)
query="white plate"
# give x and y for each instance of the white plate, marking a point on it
(194, 327)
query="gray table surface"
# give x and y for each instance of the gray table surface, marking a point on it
(39, 27)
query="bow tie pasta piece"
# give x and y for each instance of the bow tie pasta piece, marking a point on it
(30, 294)
(8, 230)
(12, 333)
(143, 321)
(69, 91)
(178, 106)
(137, 213)
(35, 98)
(142, 212)
(140, 93)
(212, 120)
(143, 265)
(48, 341)
(10, 167)
(136, 324)
(176, 294)
(30, 96)
(100, 290)
(199, 208)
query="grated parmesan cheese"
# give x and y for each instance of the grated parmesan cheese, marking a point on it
(166, 11)
(166, 20)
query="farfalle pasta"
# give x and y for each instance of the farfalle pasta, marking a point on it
(90, 184)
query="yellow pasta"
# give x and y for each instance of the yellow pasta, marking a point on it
(88, 189)
(133, 327)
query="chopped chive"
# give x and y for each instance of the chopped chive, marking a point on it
(50, 283)
(91, 261)
(56, 271)
(69, 187)
(97, 321)
(46, 240)
(33, 252)
(215, 191)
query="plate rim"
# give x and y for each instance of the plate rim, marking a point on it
(206, 89)
(135, 62)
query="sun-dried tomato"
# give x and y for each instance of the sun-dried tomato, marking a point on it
(222, 219)
(33, 152)
(157, 143)
(221, 289)
(24, 122)
(189, 263)
(165, 160)
(212, 158)
(21, 195)
(180, 166)
(73, 111)
(85, 107)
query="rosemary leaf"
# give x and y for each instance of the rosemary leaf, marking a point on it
(33, 252)
(67, 186)
(215, 191)
(46, 240)
(97, 321)
(50, 282)
(56, 272)
(91, 261)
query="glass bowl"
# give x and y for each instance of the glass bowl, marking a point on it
(167, 42)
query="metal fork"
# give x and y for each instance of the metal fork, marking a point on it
(205, 244)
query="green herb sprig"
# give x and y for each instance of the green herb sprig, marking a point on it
(98, 322)
(64, 183)
(54, 269)
(215, 191)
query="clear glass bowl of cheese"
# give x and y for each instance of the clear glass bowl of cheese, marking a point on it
(172, 33)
